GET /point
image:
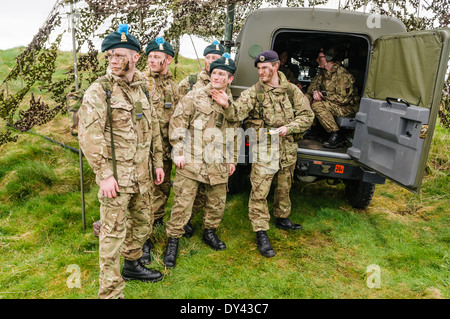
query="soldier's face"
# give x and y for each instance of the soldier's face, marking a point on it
(321, 60)
(220, 79)
(266, 71)
(122, 61)
(210, 58)
(159, 62)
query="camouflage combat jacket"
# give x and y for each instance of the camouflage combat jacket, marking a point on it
(165, 96)
(203, 79)
(338, 84)
(137, 140)
(198, 130)
(276, 111)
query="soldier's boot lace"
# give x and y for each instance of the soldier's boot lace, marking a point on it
(134, 270)
(264, 247)
(210, 238)
(146, 257)
(170, 258)
(188, 230)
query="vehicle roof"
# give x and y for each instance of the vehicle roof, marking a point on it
(263, 21)
(262, 24)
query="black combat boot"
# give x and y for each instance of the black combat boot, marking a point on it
(188, 230)
(170, 259)
(285, 223)
(210, 238)
(264, 247)
(146, 258)
(310, 134)
(134, 270)
(336, 140)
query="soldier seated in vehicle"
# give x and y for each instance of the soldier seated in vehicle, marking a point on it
(284, 67)
(332, 93)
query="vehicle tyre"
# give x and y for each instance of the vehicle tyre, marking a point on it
(359, 193)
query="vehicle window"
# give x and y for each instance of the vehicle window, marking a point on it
(298, 52)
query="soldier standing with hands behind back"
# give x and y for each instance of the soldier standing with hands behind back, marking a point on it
(117, 127)
(269, 107)
(164, 95)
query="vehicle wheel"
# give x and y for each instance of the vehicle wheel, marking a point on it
(359, 194)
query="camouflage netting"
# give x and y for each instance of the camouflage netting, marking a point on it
(36, 65)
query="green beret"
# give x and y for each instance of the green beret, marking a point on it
(121, 39)
(214, 48)
(160, 45)
(224, 63)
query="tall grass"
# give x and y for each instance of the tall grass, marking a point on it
(406, 235)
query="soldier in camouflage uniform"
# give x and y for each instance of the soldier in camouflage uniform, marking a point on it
(332, 93)
(196, 81)
(268, 106)
(124, 193)
(164, 94)
(200, 134)
(192, 82)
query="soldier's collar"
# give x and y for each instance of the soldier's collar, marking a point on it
(153, 74)
(204, 75)
(334, 68)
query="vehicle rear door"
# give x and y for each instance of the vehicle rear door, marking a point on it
(398, 111)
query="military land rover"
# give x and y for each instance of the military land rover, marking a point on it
(399, 76)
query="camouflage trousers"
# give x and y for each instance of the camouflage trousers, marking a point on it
(326, 111)
(185, 192)
(161, 193)
(200, 200)
(126, 225)
(261, 180)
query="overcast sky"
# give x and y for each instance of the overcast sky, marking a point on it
(21, 20)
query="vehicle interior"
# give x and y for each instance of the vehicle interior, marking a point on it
(303, 47)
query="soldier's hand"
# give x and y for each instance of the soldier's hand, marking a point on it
(179, 161)
(317, 96)
(220, 97)
(231, 169)
(109, 187)
(159, 172)
(282, 131)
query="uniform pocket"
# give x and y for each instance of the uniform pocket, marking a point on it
(123, 131)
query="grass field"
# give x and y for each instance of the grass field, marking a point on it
(400, 242)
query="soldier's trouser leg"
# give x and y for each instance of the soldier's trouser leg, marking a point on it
(282, 201)
(200, 200)
(161, 193)
(185, 191)
(125, 227)
(258, 212)
(216, 197)
(326, 111)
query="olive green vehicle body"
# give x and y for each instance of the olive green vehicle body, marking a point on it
(407, 67)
